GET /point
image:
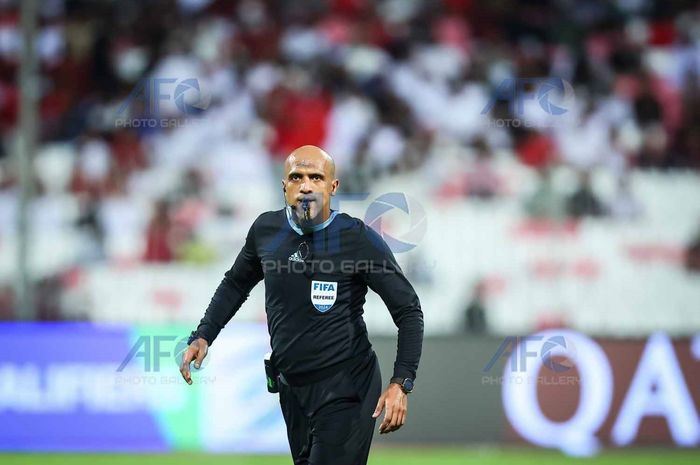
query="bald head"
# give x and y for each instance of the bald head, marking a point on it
(310, 155)
(309, 178)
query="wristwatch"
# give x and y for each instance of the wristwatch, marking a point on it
(405, 383)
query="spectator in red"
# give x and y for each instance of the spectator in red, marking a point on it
(127, 152)
(299, 116)
(158, 234)
(535, 149)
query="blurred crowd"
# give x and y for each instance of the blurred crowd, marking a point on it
(384, 86)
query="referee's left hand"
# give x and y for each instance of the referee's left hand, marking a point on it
(396, 403)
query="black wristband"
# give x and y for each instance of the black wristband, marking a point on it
(405, 383)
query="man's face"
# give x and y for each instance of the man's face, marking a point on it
(309, 180)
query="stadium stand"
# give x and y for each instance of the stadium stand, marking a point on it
(555, 217)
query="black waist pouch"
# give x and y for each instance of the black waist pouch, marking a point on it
(271, 374)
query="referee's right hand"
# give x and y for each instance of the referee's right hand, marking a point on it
(196, 351)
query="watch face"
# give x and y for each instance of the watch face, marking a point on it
(408, 384)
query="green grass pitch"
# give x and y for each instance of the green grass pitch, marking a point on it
(378, 456)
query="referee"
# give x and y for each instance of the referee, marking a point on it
(317, 265)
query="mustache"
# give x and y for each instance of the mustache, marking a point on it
(308, 198)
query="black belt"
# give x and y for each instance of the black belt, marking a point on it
(303, 379)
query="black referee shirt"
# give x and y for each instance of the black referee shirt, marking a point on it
(315, 287)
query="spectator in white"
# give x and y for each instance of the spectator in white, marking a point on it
(625, 206)
(93, 164)
(349, 122)
(587, 143)
(386, 147)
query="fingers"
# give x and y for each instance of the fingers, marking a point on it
(195, 351)
(388, 416)
(200, 357)
(185, 366)
(402, 419)
(380, 406)
(395, 417)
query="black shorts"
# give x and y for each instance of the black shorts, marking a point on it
(330, 422)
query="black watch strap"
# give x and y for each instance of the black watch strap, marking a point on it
(405, 383)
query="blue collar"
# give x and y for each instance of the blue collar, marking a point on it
(314, 228)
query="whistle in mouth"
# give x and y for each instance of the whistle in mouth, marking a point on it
(307, 211)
